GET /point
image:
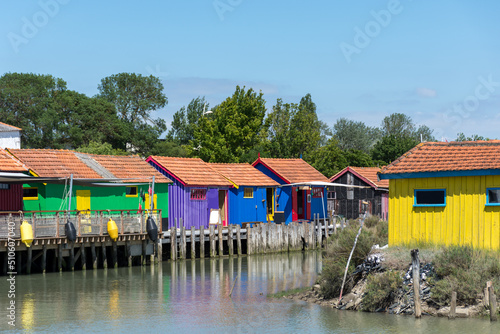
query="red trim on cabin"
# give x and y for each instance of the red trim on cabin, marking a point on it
(308, 205)
(165, 170)
(295, 215)
(256, 162)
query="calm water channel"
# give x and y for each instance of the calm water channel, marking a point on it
(193, 296)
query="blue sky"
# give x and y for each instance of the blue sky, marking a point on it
(436, 61)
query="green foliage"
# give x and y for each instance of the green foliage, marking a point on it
(474, 137)
(95, 147)
(135, 97)
(398, 125)
(277, 130)
(466, 271)
(328, 159)
(168, 149)
(392, 147)
(380, 290)
(232, 130)
(337, 254)
(355, 136)
(28, 101)
(185, 121)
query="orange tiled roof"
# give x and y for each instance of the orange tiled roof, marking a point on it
(453, 156)
(128, 167)
(10, 164)
(191, 171)
(8, 127)
(54, 163)
(293, 170)
(367, 174)
(243, 175)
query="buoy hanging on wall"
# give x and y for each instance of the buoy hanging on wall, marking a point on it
(151, 229)
(70, 231)
(112, 229)
(26, 233)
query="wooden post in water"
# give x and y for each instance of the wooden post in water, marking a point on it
(159, 251)
(453, 306)
(29, 260)
(230, 243)
(115, 255)
(493, 303)
(83, 256)
(72, 256)
(415, 262)
(238, 239)
(211, 238)
(173, 243)
(144, 258)
(44, 259)
(193, 243)
(94, 255)
(104, 257)
(221, 241)
(249, 240)
(59, 257)
(128, 252)
(202, 242)
(182, 244)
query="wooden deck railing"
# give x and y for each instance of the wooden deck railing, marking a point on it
(50, 224)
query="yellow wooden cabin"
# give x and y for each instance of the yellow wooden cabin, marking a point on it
(446, 194)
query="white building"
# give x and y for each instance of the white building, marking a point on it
(10, 136)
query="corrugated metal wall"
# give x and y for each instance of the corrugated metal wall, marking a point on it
(11, 199)
(465, 220)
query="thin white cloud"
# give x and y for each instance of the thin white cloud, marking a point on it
(426, 92)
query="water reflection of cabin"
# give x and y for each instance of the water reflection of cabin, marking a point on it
(62, 163)
(196, 190)
(370, 195)
(297, 202)
(252, 197)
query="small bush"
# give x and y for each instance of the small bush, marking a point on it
(381, 290)
(372, 221)
(466, 271)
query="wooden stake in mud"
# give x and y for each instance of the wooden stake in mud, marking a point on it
(453, 305)
(416, 282)
(493, 304)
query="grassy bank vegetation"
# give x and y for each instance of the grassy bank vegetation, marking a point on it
(461, 269)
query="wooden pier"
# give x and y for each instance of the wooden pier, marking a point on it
(93, 247)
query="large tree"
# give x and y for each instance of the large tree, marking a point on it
(186, 120)
(352, 135)
(232, 129)
(135, 98)
(277, 130)
(392, 147)
(28, 101)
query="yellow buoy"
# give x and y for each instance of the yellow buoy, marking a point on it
(112, 229)
(26, 233)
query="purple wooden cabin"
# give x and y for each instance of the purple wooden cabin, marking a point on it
(196, 189)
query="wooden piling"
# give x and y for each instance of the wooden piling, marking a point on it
(415, 262)
(29, 259)
(173, 243)
(263, 238)
(249, 240)
(72, 256)
(83, 256)
(327, 232)
(59, 257)
(493, 304)
(128, 252)
(211, 238)
(193, 243)
(230, 243)
(221, 241)
(159, 251)
(144, 252)
(94, 255)
(104, 256)
(182, 243)
(202, 241)
(44, 259)
(453, 305)
(319, 234)
(115, 255)
(238, 240)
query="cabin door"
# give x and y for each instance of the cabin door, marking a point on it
(270, 204)
(300, 204)
(223, 206)
(83, 205)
